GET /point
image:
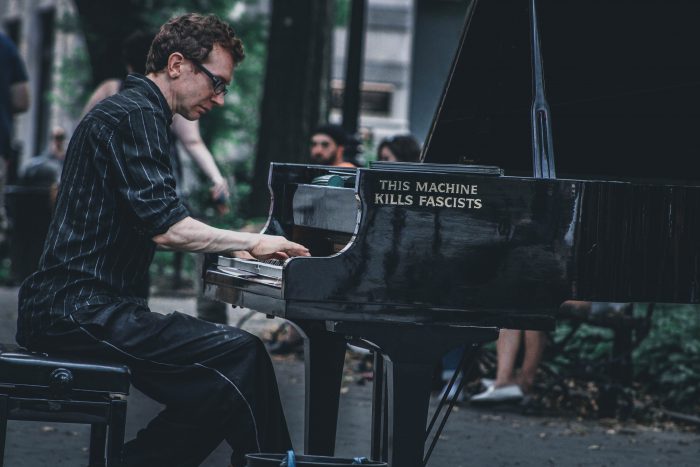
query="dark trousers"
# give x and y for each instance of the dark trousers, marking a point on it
(216, 382)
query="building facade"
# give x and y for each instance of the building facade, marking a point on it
(409, 48)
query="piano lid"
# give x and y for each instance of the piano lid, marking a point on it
(622, 79)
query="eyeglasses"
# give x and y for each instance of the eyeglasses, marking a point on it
(219, 84)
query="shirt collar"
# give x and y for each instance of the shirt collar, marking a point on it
(152, 92)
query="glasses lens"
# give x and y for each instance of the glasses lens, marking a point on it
(218, 83)
(220, 88)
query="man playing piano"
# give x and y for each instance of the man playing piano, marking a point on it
(117, 202)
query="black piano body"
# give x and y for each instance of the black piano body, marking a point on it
(416, 262)
(414, 259)
(434, 245)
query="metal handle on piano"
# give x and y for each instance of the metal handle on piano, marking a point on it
(540, 115)
(290, 461)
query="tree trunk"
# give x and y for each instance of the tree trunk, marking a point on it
(296, 87)
(105, 24)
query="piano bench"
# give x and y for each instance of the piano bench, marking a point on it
(51, 388)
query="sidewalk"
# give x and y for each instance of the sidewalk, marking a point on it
(471, 437)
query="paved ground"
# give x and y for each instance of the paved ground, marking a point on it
(472, 437)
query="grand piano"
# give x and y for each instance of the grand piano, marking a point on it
(560, 165)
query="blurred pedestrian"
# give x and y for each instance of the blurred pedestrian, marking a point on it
(399, 148)
(511, 385)
(14, 99)
(34, 205)
(44, 170)
(328, 145)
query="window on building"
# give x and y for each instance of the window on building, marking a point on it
(375, 98)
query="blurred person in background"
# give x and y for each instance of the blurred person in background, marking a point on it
(34, 207)
(511, 385)
(14, 99)
(328, 145)
(44, 169)
(399, 148)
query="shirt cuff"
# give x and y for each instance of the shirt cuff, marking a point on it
(166, 220)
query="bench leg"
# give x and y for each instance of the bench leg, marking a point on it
(115, 439)
(98, 438)
(622, 369)
(3, 425)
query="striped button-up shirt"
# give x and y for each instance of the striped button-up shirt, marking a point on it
(117, 192)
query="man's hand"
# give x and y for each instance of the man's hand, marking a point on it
(191, 235)
(272, 246)
(220, 195)
(219, 188)
(242, 254)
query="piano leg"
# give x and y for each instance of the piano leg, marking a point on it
(411, 355)
(379, 413)
(324, 355)
(408, 387)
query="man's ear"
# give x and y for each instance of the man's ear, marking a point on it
(175, 63)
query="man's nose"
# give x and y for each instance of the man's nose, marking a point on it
(218, 99)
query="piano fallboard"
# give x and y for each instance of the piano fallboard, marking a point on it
(258, 293)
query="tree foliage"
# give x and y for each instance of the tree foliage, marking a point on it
(668, 360)
(666, 363)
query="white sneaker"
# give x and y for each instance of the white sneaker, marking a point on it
(510, 393)
(487, 382)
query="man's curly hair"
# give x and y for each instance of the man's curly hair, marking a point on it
(194, 36)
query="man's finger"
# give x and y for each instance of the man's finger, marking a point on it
(297, 250)
(301, 252)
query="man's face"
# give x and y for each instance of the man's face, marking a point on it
(58, 137)
(195, 94)
(323, 149)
